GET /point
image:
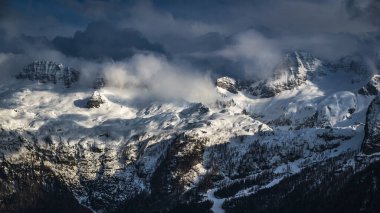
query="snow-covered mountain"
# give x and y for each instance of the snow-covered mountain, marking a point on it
(96, 148)
(293, 71)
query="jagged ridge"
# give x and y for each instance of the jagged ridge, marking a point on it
(48, 71)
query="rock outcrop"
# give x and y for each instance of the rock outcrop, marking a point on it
(371, 143)
(95, 100)
(49, 72)
(174, 155)
(292, 72)
(372, 88)
(228, 84)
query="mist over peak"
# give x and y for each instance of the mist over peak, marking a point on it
(241, 39)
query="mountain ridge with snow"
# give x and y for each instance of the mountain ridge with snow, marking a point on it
(170, 155)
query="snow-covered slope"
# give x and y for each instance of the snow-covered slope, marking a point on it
(168, 155)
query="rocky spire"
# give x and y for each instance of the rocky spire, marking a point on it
(95, 100)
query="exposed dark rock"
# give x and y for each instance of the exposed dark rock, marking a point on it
(351, 110)
(32, 187)
(172, 177)
(372, 88)
(308, 122)
(228, 84)
(95, 100)
(225, 104)
(49, 72)
(371, 143)
(194, 110)
(292, 72)
(320, 188)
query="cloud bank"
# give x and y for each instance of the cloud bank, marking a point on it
(157, 44)
(151, 77)
(100, 40)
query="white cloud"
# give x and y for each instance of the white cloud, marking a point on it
(149, 76)
(257, 54)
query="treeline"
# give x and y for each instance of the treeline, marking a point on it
(320, 188)
(230, 189)
(32, 187)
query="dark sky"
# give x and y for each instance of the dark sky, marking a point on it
(217, 35)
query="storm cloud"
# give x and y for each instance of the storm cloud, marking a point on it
(219, 37)
(367, 10)
(101, 40)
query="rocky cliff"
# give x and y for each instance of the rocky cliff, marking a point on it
(228, 84)
(372, 87)
(371, 143)
(293, 71)
(49, 72)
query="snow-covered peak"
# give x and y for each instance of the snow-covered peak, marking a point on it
(298, 63)
(293, 71)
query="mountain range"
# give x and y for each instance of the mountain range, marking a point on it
(306, 139)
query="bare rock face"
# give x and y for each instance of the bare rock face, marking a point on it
(227, 83)
(371, 143)
(95, 100)
(372, 88)
(49, 72)
(292, 72)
